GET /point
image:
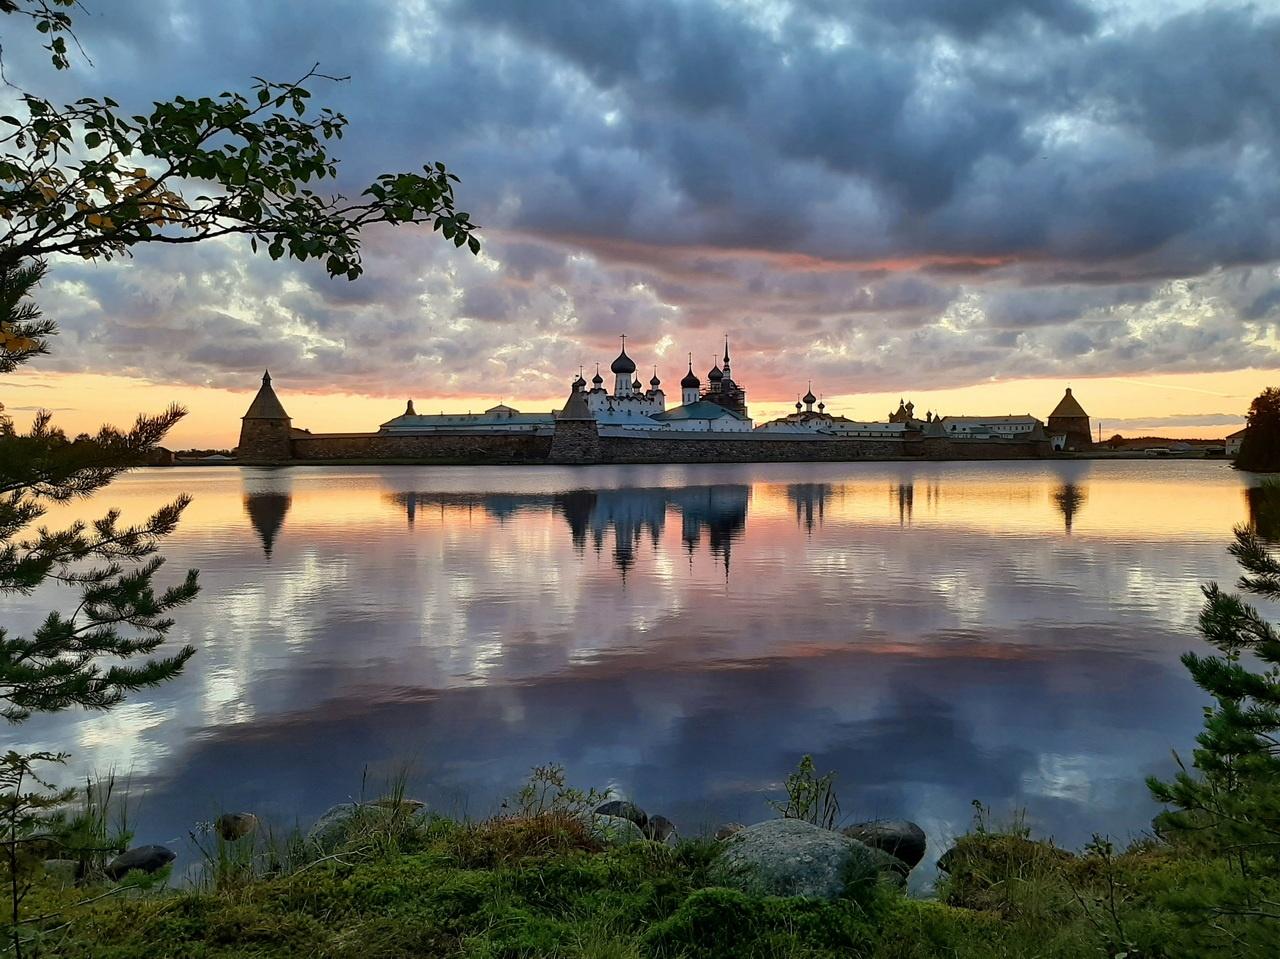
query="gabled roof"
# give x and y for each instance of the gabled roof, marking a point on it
(266, 405)
(504, 408)
(1238, 434)
(1068, 406)
(701, 410)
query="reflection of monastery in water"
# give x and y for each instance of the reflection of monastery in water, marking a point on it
(635, 424)
(630, 516)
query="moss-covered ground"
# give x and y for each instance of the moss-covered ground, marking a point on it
(541, 887)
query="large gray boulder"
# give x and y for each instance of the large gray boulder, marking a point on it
(144, 858)
(345, 821)
(614, 830)
(624, 809)
(790, 857)
(898, 837)
(62, 872)
(660, 829)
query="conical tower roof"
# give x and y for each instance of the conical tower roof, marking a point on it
(1068, 406)
(576, 407)
(266, 405)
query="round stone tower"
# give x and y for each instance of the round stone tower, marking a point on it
(265, 429)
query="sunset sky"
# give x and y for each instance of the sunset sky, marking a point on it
(968, 204)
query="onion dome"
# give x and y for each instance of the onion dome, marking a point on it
(821, 407)
(798, 406)
(623, 364)
(809, 398)
(690, 381)
(579, 383)
(655, 382)
(715, 376)
(598, 380)
(635, 384)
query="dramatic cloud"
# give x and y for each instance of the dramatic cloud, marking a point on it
(870, 193)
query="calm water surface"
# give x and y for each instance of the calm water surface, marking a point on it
(935, 633)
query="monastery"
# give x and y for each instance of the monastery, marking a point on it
(633, 424)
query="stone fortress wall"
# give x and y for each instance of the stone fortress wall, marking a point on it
(580, 442)
(574, 436)
(438, 447)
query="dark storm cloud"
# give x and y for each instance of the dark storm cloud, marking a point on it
(971, 18)
(958, 189)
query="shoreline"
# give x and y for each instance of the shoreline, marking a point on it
(451, 461)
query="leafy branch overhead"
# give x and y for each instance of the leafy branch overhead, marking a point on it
(86, 179)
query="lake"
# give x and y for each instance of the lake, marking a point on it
(936, 633)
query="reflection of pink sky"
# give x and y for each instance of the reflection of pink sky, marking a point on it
(852, 586)
(948, 561)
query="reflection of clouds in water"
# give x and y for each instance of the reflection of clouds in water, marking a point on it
(906, 737)
(119, 739)
(974, 651)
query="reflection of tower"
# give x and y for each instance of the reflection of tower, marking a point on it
(629, 513)
(1264, 511)
(1069, 498)
(576, 506)
(266, 513)
(906, 494)
(810, 500)
(267, 497)
(721, 509)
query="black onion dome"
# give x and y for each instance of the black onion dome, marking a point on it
(715, 375)
(623, 364)
(810, 398)
(690, 381)
(635, 384)
(655, 382)
(597, 379)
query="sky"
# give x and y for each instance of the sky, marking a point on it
(968, 204)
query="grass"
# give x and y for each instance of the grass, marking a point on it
(536, 881)
(540, 885)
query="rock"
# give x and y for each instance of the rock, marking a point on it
(615, 830)
(63, 872)
(146, 858)
(897, 837)
(790, 857)
(235, 825)
(403, 804)
(729, 829)
(659, 828)
(1013, 853)
(340, 822)
(331, 829)
(623, 809)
